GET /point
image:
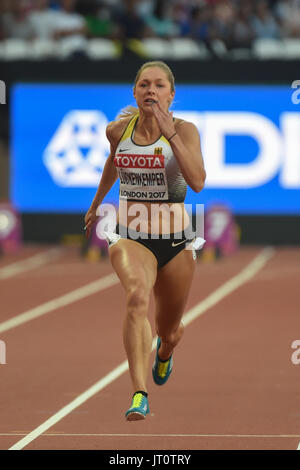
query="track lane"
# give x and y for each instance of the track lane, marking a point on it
(24, 252)
(30, 263)
(214, 277)
(49, 349)
(40, 404)
(244, 383)
(60, 276)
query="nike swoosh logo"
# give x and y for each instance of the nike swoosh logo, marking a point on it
(179, 243)
(123, 150)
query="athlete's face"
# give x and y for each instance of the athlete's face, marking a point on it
(153, 85)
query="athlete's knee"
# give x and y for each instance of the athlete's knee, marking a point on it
(167, 335)
(137, 297)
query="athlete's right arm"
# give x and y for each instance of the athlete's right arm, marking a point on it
(109, 176)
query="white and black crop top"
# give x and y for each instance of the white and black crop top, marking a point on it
(148, 172)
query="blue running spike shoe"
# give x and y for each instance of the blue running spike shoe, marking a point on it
(161, 370)
(139, 408)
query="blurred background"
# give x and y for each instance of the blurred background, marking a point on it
(67, 68)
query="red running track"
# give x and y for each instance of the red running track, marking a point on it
(234, 385)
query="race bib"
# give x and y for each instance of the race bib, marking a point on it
(142, 177)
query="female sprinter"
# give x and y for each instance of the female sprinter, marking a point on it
(155, 156)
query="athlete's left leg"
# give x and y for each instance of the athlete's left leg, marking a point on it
(171, 291)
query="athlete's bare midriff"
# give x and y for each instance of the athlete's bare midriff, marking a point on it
(149, 217)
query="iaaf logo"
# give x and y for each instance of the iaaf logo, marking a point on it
(77, 152)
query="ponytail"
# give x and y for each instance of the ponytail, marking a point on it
(129, 111)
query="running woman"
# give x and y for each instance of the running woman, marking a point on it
(155, 156)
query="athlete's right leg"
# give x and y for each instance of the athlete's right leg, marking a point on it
(136, 268)
(171, 292)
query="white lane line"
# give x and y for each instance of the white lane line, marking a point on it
(234, 283)
(62, 434)
(59, 302)
(109, 378)
(27, 264)
(249, 271)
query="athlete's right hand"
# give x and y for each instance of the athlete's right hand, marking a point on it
(89, 219)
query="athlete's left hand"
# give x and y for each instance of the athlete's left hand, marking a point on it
(164, 120)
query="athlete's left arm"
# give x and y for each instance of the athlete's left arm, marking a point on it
(187, 150)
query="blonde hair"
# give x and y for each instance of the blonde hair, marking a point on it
(132, 110)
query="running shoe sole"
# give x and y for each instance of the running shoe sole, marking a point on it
(135, 416)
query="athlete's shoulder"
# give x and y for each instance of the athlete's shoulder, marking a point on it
(183, 124)
(115, 129)
(186, 128)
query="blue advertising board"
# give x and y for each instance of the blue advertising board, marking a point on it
(250, 138)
